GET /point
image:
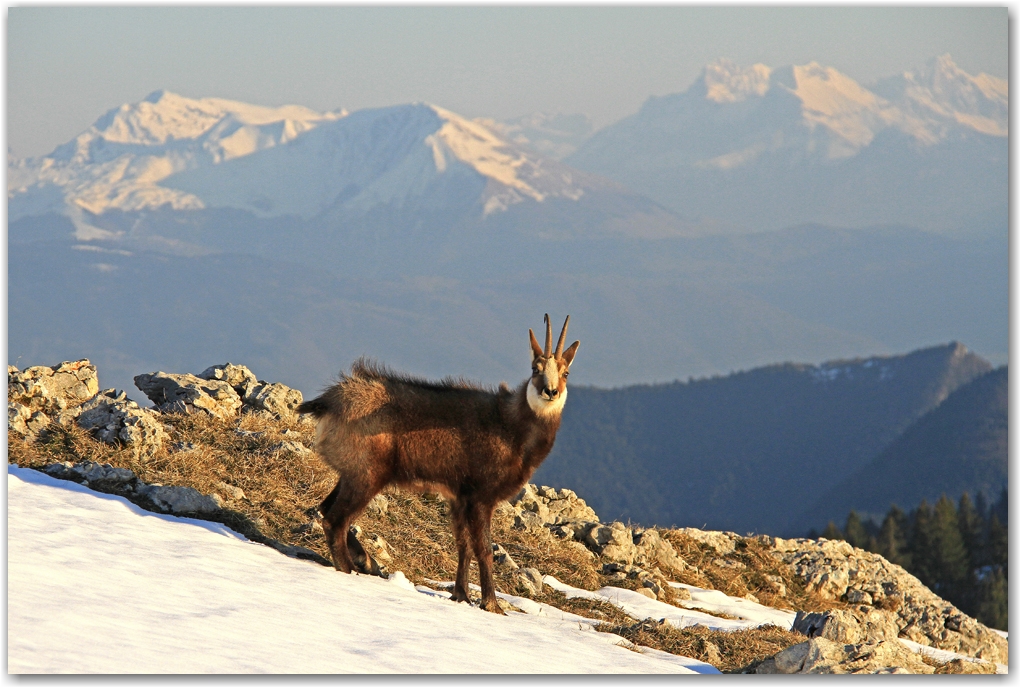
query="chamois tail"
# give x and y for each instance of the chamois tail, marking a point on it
(317, 407)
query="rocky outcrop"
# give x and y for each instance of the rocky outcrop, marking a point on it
(567, 516)
(186, 393)
(220, 390)
(825, 656)
(38, 395)
(837, 570)
(114, 418)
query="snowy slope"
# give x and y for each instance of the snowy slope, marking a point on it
(188, 596)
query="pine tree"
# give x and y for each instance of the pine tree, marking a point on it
(855, 533)
(992, 606)
(892, 538)
(998, 544)
(972, 528)
(922, 545)
(832, 532)
(950, 555)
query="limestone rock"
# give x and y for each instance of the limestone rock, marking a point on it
(838, 570)
(114, 418)
(854, 626)
(280, 400)
(531, 579)
(721, 542)
(502, 559)
(239, 377)
(232, 492)
(180, 500)
(186, 393)
(93, 474)
(53, 389)
(824, 656)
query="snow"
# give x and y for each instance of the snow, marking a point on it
(639, 607)
(188, 154)
(98, 585)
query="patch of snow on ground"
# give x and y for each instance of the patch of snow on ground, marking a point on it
(98, 585)
(640, 607)
(717, 602)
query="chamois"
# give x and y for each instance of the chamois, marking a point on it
(475, 446)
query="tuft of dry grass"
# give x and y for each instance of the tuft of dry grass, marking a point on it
(731, 652)
(759, 565)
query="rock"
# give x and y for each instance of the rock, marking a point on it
(380, 547)
(848, 626)
(186, 393)
(51, 389)
(721, 542)
(379, 505)
(777, 584)
(280, 400)
(532, 580)
(93, 474)
(835, 569)
(114, 418)
(232, 492)
(682, 593)
(294, 447)
(712, 653)
(180, 500)
(645, 591)
(501, 558)
(821, 655)
(959, 666)
(654, 551)
(239, 377)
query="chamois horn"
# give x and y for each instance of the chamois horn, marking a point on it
(563, 336)
(548, 336)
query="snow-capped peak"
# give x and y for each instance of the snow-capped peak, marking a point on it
(726, 82)
(943, 94)
(119, 161)
(225, 128)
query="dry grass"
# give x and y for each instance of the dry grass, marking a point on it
(753, 578)
(282, 491)
(730, 652)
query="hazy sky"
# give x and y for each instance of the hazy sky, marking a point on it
(66, 66)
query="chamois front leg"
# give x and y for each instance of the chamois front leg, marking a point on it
(480, 524)
(343, 504)
(458, 520)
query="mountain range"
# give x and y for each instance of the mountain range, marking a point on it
(761, 148)
(769, 449)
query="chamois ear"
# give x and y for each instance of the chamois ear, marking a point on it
(536, 350)
(568, 355)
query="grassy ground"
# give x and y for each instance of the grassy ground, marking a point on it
(282, 489)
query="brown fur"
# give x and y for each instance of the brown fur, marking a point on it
(476, 446)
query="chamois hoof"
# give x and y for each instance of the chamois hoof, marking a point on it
(459, 597)
(492, 606)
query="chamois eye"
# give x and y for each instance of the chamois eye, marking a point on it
(565, 375)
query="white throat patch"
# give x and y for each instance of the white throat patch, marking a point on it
(543, 407)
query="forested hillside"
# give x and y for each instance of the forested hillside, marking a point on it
(750, 451)
(959, 446)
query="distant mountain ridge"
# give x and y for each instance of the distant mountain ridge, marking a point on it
(762, 148)
(751, 451)
(959, 446)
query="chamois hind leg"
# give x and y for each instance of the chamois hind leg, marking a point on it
(458, 518)
(479, 523)
(349, 497)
